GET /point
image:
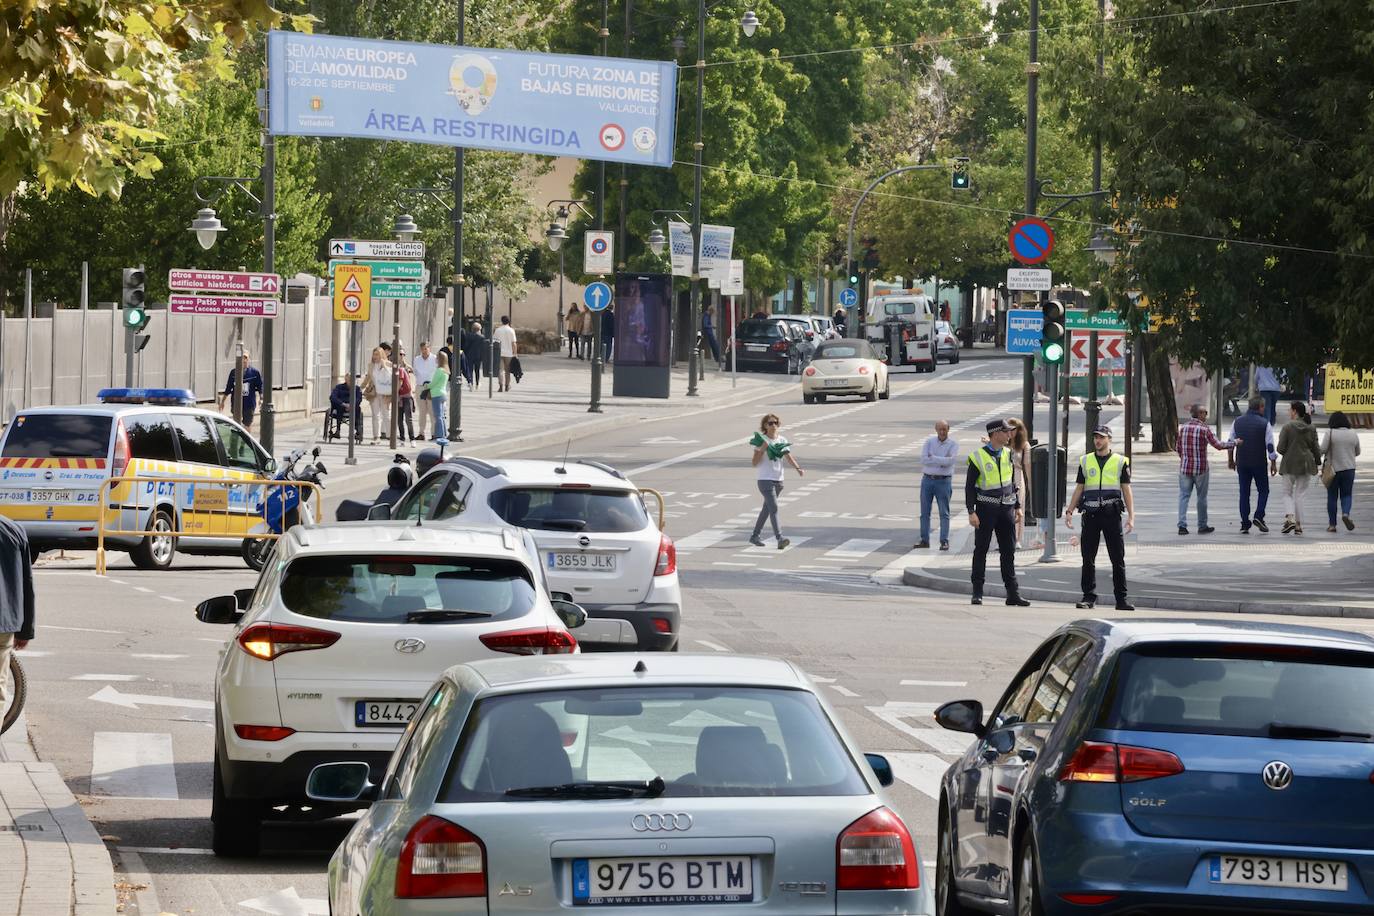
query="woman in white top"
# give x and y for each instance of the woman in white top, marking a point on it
(379, 377)
(770, 449)
(1341, 447)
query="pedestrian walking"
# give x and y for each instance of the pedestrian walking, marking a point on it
(607, 332)
(1341, 447)
(1104, 491)
(377, 391)
(574, 323)
(438, 397)
(770, 450)
(994, 508)
(1194, 438)
(16, 598)
(252, 389)
(708, 332)
(506, 348)
(1021, 469)
(1302, 457)
(405, 396)
(425, 364)
(939, 455)
(473, 349)
(1254, 444)
(1270, 388)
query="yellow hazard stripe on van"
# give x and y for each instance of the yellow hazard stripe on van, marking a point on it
(52, 462)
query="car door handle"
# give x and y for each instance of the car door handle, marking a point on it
(1027, 754)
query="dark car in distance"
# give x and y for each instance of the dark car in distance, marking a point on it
(766, 343)
(1167, 766)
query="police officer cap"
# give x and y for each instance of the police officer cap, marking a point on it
(998, 426)
(1102, 431)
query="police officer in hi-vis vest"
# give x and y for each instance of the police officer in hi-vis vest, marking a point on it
(994, 507)
(1104, 488)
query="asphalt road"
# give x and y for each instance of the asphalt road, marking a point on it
(121, 671)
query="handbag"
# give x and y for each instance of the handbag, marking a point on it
(1328, 473)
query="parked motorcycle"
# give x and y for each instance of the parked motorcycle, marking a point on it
(399, 479)
(283, 506)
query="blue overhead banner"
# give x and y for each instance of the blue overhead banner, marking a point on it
(604, 108)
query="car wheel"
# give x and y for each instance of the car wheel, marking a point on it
(946, 900)
(887, 388)
(235, 825)
(808, 399)
(159, 547)
(820, 399)
(1028, 882)
(954, 360)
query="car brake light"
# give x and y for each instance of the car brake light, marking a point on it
(1095, 761)
(263, 732)
(441, 859)
(876, 852)
(779, 347)
(121, 451)
(663, 625)
(1087, 899)
(269, 640)
(536, 641)
(863, 370)
(810, 370)
(667, 557)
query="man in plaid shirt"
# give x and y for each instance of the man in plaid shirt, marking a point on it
(1193, 439)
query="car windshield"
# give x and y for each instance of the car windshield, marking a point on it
(840, 351)
(571, 509)
(700, 741)
(1262, 691)
(383, 589)
(51, 435)
(899, 308)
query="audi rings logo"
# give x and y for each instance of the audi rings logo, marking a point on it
(1278, 775)
(410, 646)
(661, 822)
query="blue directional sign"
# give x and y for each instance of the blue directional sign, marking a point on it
(1023, 331)
(848, 298)
(598, 296)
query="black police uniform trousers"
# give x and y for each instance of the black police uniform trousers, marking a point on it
(1103, 525)
(1001, 521)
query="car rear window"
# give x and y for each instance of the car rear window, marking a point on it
(1268, 691)
(757, 328)
(571, 509)
(382, 589)
(841, 351)
(54, 435)
(899, 308)
(702, 741)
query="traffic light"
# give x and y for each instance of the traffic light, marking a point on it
(1052, 332)
(135, 312)
(959, 178)
(853, 273)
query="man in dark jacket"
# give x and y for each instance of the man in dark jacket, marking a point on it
(474, 345)
(16, 598)
(1256, 448)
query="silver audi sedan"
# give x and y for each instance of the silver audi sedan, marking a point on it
(623, 782)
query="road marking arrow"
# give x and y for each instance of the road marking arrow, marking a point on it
(287, 903)
(108, 694)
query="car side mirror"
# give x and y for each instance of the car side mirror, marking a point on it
(319, 466)
(221, 609)
(340, 782)
(572, 615)
(244, 596)
(269, 466)
(881, 769)
(315, 453)
(962, 716)
(379, 512)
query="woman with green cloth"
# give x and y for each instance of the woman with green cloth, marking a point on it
(438, 395)
(770, 448)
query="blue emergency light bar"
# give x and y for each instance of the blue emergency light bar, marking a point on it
(178, 397)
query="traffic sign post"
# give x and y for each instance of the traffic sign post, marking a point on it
(236, 306)
(223, 281)
(1085, 320)
(1023, 331)
(1029, 279)
(391, 279)
(598, 254)
(849, 298)
(352, 292)
(597, 296)
(1031, 240)
(361, 248)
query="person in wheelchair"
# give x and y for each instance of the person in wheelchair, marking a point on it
(338, 412)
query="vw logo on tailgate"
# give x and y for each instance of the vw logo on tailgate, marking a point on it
(1278, 775)
(661, 822)
(410, 646)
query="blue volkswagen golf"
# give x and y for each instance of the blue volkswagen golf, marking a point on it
(1167, 766)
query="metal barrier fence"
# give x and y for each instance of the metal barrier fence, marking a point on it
(192, 508)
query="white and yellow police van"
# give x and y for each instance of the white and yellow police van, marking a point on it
(54, 462)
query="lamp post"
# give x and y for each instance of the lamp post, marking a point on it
(207, 228)
(555, 236)
(749, 23)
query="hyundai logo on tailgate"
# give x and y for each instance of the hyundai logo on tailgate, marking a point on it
(410, 646)
(659, 822)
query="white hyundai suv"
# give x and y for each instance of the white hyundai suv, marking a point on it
(598, 544)
(348, 628)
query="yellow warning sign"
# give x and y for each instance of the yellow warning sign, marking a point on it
(352, 292)
(1349, 390)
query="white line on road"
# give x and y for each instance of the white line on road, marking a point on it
(111, 695)
(920, 771)
(843, 690)
(170, 598)
(166, 850)
(47, 626)
(737, 565)
(911, 683)
(702, 539)
(146, 591)
(713, 646)
(30, 653)
(133, 765)
(753, 551)
(155, 656)
(897, 714)
(105, 677)
(854, 549)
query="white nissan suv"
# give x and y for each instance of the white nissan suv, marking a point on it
(598, 544)
(348, 628)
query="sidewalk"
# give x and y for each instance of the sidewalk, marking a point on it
(1316, 574)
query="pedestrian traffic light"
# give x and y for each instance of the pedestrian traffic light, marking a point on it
(135, 312)
(1052, 332)
(959, 178)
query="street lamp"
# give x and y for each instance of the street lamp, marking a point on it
(555, 236)
(207, 227)
(404, 228)
(749, 23)
(1103, 246)
(657, 241)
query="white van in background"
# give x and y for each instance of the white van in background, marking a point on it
(917, 314)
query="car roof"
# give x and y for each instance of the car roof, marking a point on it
(1178, 629)
(627, 669)
(529, 471)
(407, 537)
(119, 410)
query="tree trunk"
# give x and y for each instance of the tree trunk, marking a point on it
(798, 296)
(1159, 383)
(9, 205)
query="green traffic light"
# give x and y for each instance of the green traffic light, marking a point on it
(134, 318)
(1052, 353)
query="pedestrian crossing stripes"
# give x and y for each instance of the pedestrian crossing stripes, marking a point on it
(702, 539)
(903, 716)
(920, 771)
(854, 549)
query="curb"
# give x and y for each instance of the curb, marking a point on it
(918, 578)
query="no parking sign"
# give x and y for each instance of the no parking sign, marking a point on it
(598, 256)
(1031, 240)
